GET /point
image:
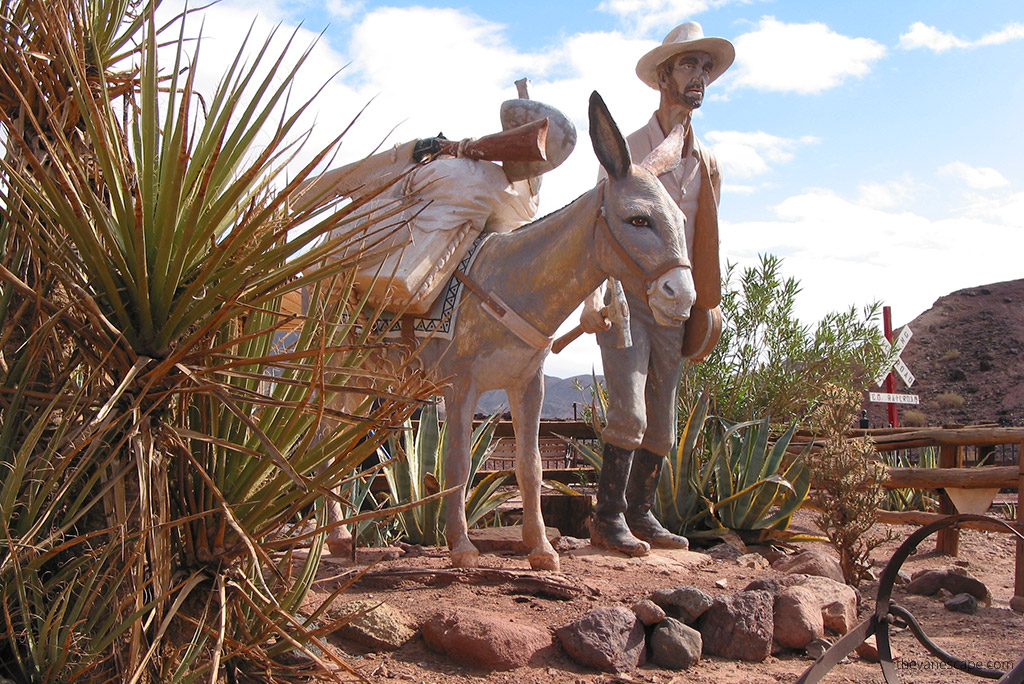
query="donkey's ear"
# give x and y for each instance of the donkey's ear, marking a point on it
(668, 154)
(609, 145)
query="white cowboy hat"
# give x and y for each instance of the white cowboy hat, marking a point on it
(561, 136)
(688, 37)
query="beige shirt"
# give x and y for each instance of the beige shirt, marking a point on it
(682, 182)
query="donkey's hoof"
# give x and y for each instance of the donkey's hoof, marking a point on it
(340, 547)
(465, 555)
(547, 560)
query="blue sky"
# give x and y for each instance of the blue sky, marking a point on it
(874, 145)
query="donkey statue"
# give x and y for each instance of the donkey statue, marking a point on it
(627, 228)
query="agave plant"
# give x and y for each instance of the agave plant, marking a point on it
(723, 477)
(757, 485)
(156, 439)
(415, 471)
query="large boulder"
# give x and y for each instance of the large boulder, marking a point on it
(484, 640)
(740, 626)
(610, 638)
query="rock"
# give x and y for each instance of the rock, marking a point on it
(610, 638)
(929, 582)
(725, 552)
(798, 618)
(816, 648)
(739, 626)
(754, 561)
(648, 612)
(838, 601)
(564, 544)
(683, 603)
(488, 641)
(380, 627)
(868, 650)
(962, 603)
(810, 562)
(675, 645)
(722, 583)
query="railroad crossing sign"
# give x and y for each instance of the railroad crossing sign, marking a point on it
(897, 364)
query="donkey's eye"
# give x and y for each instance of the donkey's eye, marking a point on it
(640, 222)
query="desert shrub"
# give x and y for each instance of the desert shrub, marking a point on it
(949, 355)
(949, 400)
(847, 483)
(768, 362)
(914, 418)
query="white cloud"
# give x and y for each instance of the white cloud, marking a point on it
(885, 195)
(801, 58)
(977, 178)
(648, 15)
(343, 9)
(845, 253)
(920, 35)
(747, 154)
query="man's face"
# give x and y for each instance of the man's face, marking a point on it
(684, 81)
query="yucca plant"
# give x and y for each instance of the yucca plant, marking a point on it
(156, 440)
(415, 470)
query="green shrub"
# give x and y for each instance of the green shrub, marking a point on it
(768, 362)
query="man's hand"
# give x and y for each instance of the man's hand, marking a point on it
(592, 320)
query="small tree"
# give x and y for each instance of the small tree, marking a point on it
(847, 483)
(768, 362)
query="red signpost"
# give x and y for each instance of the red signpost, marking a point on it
(890, 379)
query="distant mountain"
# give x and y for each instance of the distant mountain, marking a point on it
(559, 396)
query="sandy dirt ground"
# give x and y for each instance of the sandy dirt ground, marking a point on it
(994, 636)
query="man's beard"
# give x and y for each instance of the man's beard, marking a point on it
(684, 98)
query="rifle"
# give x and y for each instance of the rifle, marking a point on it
(526, 143)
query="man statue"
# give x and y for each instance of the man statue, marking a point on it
(643, 380)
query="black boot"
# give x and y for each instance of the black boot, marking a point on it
(640, 494)
(608, 528)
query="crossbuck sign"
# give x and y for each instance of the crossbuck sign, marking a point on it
(896, 364)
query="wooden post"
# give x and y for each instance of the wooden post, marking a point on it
(948, 538)
(1017, 602)
(890, 379)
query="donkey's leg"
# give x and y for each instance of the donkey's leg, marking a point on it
(460, 407)
(526, 407)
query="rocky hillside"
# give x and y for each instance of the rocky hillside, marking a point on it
(967, 355)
